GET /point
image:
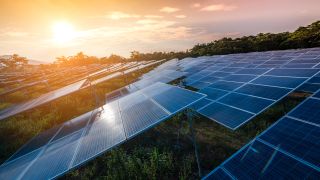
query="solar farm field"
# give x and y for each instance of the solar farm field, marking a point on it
(237, 116)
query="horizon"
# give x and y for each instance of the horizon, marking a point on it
(63, 28)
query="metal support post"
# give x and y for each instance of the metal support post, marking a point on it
(196, 151)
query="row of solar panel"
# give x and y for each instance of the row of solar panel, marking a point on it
(237, 98)
(66, 146)
(287, 150)
(45, 98)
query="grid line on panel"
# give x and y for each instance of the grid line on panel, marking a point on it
(286, 152)
(235, 89)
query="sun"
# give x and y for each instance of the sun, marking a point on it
(63, 32)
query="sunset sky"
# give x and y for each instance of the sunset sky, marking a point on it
(45, 29)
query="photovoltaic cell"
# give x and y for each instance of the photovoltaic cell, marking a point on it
(209, 79)
(200, 84)
(288, 82)
(203, 102)
(309, 87)
(219, 174)
(255, 71)
(239, 78)
(225, 115)
(308, 111)
(293, 72)
(263, 91)
(136, 118)
(220, 74)
(248, 103)
(213, 94)
(225, 85)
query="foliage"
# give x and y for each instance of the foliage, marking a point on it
(14, 61)
(303, 37)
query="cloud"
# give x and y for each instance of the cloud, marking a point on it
(153, 16)
(218, 7)
(196, 5)
(116, 15)
(147, 21)
(14, 34)
(181, 16)
(169, 9)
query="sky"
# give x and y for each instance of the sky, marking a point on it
(46, 29)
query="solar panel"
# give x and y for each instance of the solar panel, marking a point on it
(287, 82)
(41, 100)
(286, 150)
(226, 115)
(245, 102)
(58, 150)
(252, 97)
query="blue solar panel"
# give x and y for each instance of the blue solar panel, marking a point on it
(317, 95)
(230, 69)
(203, 102)
(55, 159)
(308, 111)
(295, 65)
(297, 138)
(293, 72)
(225, 115)
(248, 103)
(259, 161)
(239, 78)
(96, 133)
(213, 94)
(314, 80)
(308, 87)
(287, 150)
(103, 133)
(279, 81)
(220, 74)
(252, 71)
(209, 79)
(264, 91)
(35, 143)
(225, 85)
(219, 174)
(170, 97)
(200, 84)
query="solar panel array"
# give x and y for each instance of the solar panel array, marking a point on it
(237, 98)
(237, 88)
(289, 149)
(164, 76)
(241, 86)
(61, 148)
(50, 96)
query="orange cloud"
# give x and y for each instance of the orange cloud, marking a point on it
(169, 9)
(153, 16)
(181, 16)
(196, 5)
(116, 15)
(219, 7)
